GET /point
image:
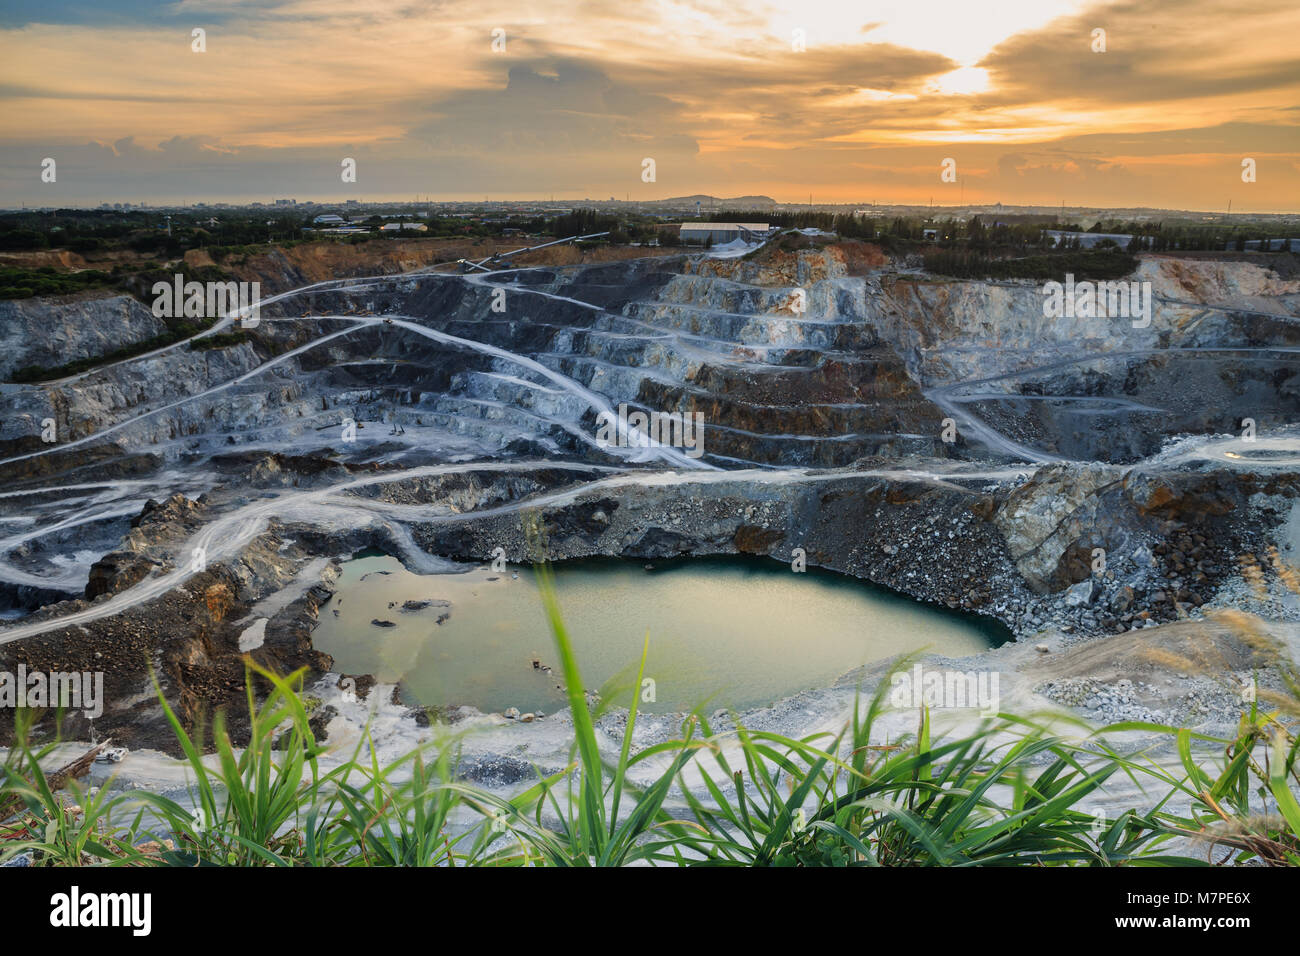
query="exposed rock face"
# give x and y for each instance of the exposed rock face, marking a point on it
(116, 571)
(411, 416)
(872, 365)
(288, 635)
(988, 348)
(189, 636)
(177, 508)
(903, 533)
(1059, 508)
(151, 385)
(1185, 496)
(1235, 285)
(53, 332)
(131, 563)
(281, 269)
(795, 267)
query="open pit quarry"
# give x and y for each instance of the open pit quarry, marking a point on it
(1091, 485)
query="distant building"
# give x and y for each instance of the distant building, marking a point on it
(721, 232)
(403, 227)
(329, 219)
(1088, 239)
(929, 233)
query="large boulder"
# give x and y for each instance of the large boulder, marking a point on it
(1053, 517)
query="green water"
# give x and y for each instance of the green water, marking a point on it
(732, 632)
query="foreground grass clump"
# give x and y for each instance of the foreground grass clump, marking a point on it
(1009, 793)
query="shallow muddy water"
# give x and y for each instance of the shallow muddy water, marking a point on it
(723, 632)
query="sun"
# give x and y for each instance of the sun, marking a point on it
(964, 81)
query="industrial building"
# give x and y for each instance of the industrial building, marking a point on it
(721, 232)
(1087, 240)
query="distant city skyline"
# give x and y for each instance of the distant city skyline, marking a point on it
(1151, 104)
(650, 205)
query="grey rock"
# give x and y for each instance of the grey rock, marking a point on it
(1079, 594)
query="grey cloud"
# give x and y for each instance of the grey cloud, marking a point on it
(1156, 50)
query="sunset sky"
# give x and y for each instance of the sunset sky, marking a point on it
(715, 92)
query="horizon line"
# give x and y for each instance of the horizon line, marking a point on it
(96, 205)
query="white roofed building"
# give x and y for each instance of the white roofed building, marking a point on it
(723, 231)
